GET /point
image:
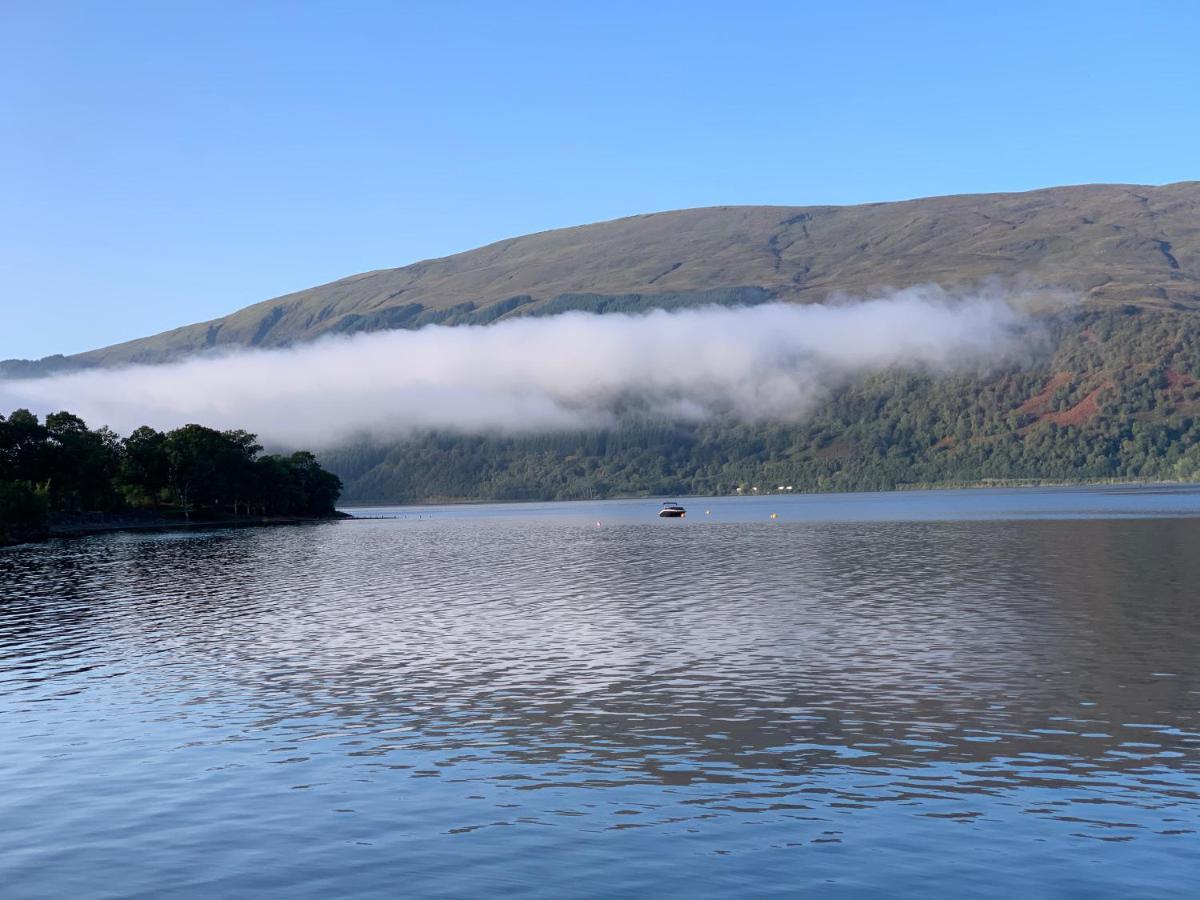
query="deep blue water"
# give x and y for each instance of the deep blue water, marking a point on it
(986, 693)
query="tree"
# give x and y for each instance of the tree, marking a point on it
(237, 461)
(318, 489)
(193, 466)
(22, 448)
(145, 470)
(82, 463)
(295, 485)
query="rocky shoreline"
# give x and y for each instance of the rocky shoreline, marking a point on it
(84, 524)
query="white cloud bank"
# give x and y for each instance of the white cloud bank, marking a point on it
(774, 361)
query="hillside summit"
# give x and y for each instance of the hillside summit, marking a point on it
(1111, 244)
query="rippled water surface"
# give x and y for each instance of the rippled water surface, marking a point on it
(958, 693)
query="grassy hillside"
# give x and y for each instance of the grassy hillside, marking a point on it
(1117, 396)
(1110, 244)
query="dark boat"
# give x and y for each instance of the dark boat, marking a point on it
(672, 511)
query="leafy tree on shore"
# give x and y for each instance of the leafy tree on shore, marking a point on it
(81, 464)
(296, 483)
(145, 471)
(22, 447)
(62, 467)
(201, 465)
(24, 501)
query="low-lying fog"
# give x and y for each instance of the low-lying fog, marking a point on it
(774, 361)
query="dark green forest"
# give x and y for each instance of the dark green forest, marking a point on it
(1114, 394)
(58, 468)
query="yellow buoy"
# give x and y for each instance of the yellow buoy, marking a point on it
(774, 515)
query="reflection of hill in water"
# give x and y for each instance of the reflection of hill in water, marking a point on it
(1017, 652)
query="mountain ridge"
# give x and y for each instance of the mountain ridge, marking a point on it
(1110, 244)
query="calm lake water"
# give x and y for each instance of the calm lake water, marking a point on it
(984, 693)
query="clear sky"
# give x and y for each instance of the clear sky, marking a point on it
(165, 163)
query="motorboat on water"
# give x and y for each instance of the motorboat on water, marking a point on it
(672, 511)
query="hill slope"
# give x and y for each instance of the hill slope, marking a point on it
(1109, 243)
(1118, 397)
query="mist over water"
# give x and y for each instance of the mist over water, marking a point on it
(577, 370)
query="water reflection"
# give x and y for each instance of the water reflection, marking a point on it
(983, 685)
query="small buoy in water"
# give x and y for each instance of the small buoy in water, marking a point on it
(774, 515)
(597, 523)
(708, 512)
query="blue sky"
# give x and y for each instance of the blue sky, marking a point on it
(164, 163)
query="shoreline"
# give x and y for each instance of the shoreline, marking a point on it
(991, 484)
(88, 524)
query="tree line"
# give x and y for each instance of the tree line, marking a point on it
(59, 466)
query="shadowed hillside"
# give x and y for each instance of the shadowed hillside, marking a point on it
(1111, 244)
